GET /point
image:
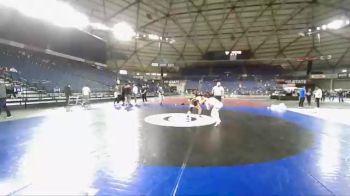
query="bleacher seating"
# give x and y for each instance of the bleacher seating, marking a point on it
(41, 77)
(235, 85)
(49, 72)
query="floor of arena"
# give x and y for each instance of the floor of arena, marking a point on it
(150, 149)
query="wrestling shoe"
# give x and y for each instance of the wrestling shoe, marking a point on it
(217, 124)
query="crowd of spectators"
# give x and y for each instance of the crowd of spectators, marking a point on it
(251, 86)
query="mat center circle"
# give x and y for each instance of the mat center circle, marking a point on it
(179, 120)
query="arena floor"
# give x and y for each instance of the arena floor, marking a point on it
(113, 151)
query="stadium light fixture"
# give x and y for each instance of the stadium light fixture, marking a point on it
(53, 11)
(123, 72)
(153, 37)
(336, 24)
(123, 31)
(344, 70)
(99, 26)
(227, 52)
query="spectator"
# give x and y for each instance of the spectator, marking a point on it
(3, 97)
(341, 96)
(67, 93)
(332, 95)
(318, 96)
(144, 93)
(160, 92)
(308, 96)
(301, 97)
(324, 93)
(86, 95)
(135, 92)
(128, 92)
(118, 94)
(10, 90)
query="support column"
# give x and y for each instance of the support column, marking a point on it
(331, 84)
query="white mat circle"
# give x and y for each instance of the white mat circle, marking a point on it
(179, 120)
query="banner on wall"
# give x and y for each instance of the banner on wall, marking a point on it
(318, 76)
(343, 75)
(172, 81)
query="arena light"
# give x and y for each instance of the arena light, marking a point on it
(324, 27)
(227, 52)
(123, 72)
(99, 26)
(344, 70)
(153, 37)
(53, 11)
(123, 31)
(155, 64)
(336, 24)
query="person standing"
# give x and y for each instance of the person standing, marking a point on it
(144, 93)
(308, 96)
(128, 92)
(118, 94)
(135, 92)
(324, 93)
(301, 97)
(3, 97)
(218, 91)
(341, 96)
(86, 95)
(332, 95)
(318, 96)
(123, 94)
(160, 92)
(67, 93)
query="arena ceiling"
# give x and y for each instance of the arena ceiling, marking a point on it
(269, 28)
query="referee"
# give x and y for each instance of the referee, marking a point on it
(218, 91)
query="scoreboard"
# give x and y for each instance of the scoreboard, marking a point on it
(343, 75)
(228, 55)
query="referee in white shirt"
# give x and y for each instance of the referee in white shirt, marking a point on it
(218, 91)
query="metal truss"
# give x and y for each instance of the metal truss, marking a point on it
(199, 23)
